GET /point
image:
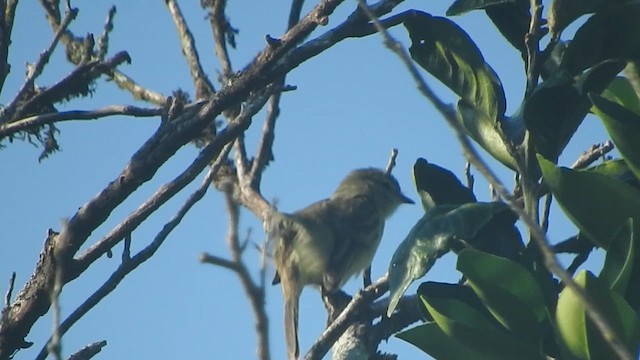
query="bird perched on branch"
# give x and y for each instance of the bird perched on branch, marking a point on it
(331, 240)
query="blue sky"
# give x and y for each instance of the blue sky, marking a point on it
(354, 103)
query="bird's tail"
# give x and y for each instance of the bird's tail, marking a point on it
(291, 325)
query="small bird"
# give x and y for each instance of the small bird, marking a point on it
(331, 240)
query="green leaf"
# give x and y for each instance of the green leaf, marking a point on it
(430, 238)
(619, 260)
(508, 290)
(511, 17)
(580, 336)
(609, 34)
(433, 341)
(512, 20)
(446, 51)
(557, 107)
(621, 91)
(596, 203)
(439, 186)
(624, 127)
(484, 131)
(463, 323)
(564, 12)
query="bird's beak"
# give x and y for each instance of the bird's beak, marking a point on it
(405, 199)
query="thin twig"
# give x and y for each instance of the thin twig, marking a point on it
(54, 346)
(532, 44)
(204, 87)
(472, 156)
(594, 153)
(220, 26)
(206, 258)
(103, 39)
(88, 351)
(7, 296)
(255, 292)
(469, 176)
(139, 92)
(162, 195)
(546, 212)
(37, 121)
(8, 12)
(392, 161)
(131, 264)
(264, 154)
(37, 68)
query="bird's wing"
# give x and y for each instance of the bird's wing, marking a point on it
(357, 227)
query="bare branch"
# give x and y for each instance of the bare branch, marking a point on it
(130, 264)
(139, 92)
(468, 175)
(7, 296)
(406, 314)
(595, 152)
(204, 87)
(7, 14)
(532, 44)
(77, 83)
(361, 299)
(392, 161)
(88, 351)
(162, 195)
(34, 122)
(538, 235)
(221, 27)
(103, 39)
(37, 68)
(54, 346)
(269, 64)
(255, 292)
(206, 258)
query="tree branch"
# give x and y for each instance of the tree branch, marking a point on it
(255, 291)
(36, 70)
(130, 264)
(204, 87)
(360, 300)
(88, 351)
(7, 15)
(37, 121)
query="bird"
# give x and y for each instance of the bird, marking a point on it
(330, 241)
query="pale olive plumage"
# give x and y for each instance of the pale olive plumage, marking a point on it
(331, 240)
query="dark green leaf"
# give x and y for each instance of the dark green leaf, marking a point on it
(564, 12)
(624, 127)
(596, 203)
(580, 336)
(619, 260)
(433, 341)
(463, 323)
(609, 34)
(508, 290)
(557, 107)
(512, 20)
(439, 186)
(447, 52)
(430, 238)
